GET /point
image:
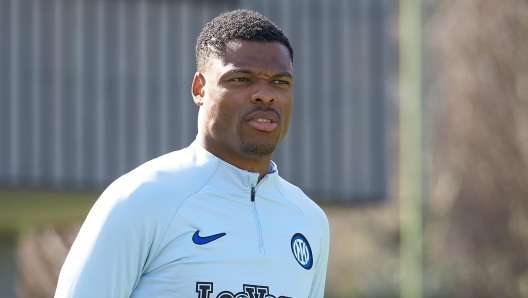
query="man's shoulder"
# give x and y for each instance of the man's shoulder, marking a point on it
(170, 177)
(303, 202)
(177, 168)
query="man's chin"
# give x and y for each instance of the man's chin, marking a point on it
(257, 149)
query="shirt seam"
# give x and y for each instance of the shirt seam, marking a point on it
(179, 206)
(318, 232)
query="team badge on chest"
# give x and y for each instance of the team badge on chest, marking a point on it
(301, 251)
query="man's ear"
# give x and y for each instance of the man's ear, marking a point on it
(198, 89)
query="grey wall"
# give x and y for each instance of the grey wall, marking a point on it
(90, 89)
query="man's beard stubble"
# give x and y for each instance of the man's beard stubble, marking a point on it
(257, 149)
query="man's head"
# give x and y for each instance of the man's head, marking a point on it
(243, 86)
(238, 24)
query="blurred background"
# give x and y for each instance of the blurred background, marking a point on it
(409, 128)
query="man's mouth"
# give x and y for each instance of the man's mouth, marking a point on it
(263, 120)
(263, 124)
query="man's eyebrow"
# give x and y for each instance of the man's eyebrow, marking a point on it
(284, 74)
(237, 71)
(247, 71)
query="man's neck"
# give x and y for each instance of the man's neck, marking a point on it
(253, 164)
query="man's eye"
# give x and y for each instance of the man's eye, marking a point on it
(240, 80)
(282, 82)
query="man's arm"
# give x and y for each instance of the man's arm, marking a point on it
(108, 255)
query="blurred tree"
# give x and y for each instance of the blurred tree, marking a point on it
(41, 254)
(477, 227)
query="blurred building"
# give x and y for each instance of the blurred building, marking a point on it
(90, 89)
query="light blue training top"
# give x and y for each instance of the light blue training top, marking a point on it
(188, 224)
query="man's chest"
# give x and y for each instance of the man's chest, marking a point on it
(220, 246)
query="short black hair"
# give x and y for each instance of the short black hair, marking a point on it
(241, 24)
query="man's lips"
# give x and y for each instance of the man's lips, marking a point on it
(263, 124)
(263, 120)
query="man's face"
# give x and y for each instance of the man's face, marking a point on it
(245, 99)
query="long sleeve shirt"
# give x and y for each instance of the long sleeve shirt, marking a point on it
(188, 224)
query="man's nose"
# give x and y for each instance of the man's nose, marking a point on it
(263, 94)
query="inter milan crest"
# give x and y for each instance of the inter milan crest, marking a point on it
(301, 251)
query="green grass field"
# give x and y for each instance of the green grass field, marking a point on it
(22, 210)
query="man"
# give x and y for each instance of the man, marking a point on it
(214, 219)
